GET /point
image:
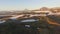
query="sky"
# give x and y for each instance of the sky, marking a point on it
(28, 4)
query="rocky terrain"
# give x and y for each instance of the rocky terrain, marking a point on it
(49, 24)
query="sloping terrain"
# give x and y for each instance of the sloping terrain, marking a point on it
(46, 25)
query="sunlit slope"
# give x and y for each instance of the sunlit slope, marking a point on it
(51, 19)
(54, 20)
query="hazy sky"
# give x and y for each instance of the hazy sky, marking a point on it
(29, 4)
